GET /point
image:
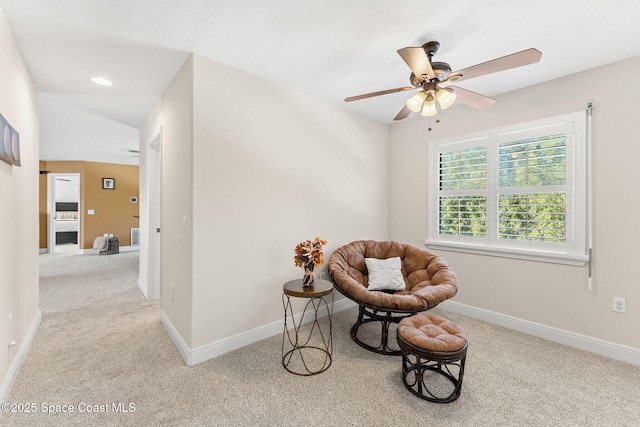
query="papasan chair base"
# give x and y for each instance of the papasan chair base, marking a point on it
(386, 319)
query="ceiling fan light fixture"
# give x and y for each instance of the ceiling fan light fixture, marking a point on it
(446, 97)
(415, 102)
(429, 107)
(427, 75)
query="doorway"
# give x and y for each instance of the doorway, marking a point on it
(154, 217)
(63, 209)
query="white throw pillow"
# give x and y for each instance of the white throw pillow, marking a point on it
(385, 274)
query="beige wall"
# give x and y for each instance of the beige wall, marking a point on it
(177, 267)
(19, 210)
(288, 168)
(548, 294)
(114, 213)
(251, 185)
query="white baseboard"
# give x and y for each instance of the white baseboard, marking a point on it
(14, 369)
(143, 288)
(177, 339)
(583, 342)
(193, 356)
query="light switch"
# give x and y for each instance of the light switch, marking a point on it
(91, 212)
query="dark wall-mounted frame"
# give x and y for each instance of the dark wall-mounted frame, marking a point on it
(9, 143)
(108, 183)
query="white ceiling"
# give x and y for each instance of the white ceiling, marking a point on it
(329, 49)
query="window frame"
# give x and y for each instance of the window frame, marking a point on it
(574, 250)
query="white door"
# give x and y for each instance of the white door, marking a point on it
(63, 188)
(154, 188)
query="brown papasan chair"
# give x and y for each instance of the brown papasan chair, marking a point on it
(428, 280)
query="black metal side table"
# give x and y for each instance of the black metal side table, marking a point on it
(307, 347)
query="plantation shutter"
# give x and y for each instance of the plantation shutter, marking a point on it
(532, 189)
(517, 191)
(463, 173)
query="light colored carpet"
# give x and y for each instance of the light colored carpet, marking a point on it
(101, 343)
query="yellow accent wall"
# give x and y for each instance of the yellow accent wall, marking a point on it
(114, 213)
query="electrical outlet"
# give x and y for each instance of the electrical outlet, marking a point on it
(619, 305)
(173, 288)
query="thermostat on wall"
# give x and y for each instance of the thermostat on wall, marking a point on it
(133, 200)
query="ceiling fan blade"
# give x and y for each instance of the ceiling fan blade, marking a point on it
(403, 114)
(417, 59)
(525, 57)
(382, 92)
(472, 99)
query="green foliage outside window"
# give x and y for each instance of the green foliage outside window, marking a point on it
(463, 216)
(525, 210)
(535, 217)
(464, 169)
(532, 162)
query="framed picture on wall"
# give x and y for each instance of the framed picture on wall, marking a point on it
(108, 183)
(9, 143)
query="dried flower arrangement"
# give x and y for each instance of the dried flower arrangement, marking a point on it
(309, 255)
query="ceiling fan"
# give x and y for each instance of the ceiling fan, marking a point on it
(427, 76)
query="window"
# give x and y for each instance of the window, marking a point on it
(518, 191)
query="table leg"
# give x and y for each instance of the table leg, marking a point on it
(313, 353)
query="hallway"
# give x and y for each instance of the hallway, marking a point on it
(96, 332)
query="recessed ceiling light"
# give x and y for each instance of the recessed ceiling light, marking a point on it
(102, 81)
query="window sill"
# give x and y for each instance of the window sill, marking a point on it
(551, 257)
